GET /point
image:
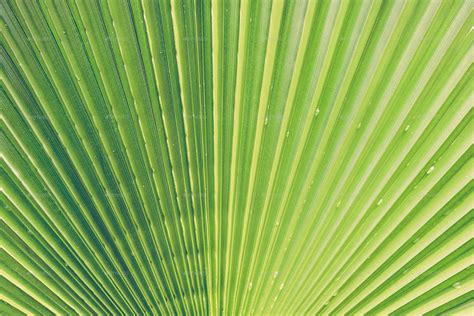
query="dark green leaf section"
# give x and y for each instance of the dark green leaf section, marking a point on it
(177, 157)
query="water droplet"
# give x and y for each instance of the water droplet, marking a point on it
(416, 240)
(359, 125)
(335, 293)
(430, 170)
(266, 120)
(277, 223)
(275, 274)
(287, 133)
(317, 112)
(406, 128)
(457, 285)
(379, 202)
(281, 286)
(338, 204)
(250, 285)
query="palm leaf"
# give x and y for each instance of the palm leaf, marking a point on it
(236, 157)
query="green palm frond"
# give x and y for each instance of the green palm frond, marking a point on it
(236, 157)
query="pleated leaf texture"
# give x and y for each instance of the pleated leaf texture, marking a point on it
(187, 157)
